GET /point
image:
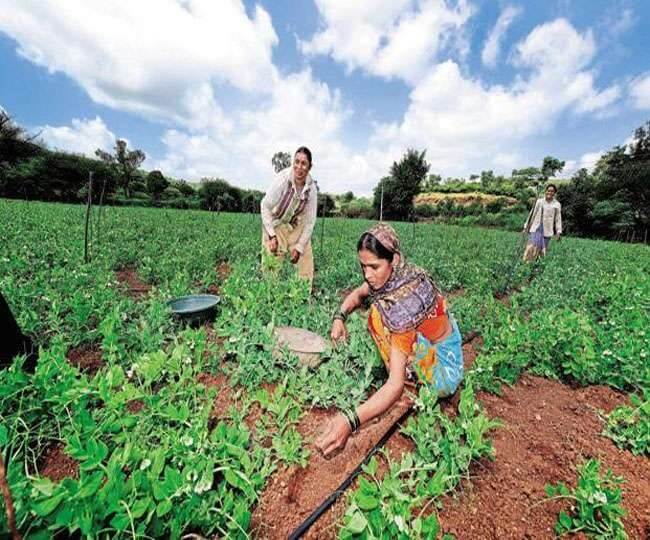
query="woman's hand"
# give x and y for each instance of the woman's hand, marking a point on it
(273, 244)
(339, 332)
(295, 255)
(334, 436)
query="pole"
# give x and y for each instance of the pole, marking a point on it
(381, 203)
(99, 213)
(88, 206)
(322, 226)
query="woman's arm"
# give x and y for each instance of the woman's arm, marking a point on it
(338, 430)
(352, 301)
(309, 221)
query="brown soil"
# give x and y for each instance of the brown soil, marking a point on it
(548, 428)
(135, 406)
(223, 270)
(135, 287)
(57, 465)
(87, 358)
(291, 495)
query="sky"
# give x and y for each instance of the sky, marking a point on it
(213, 88)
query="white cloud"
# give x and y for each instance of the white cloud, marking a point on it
(205, 70)
(640, 92)
(492, 47)
(299, 111)
(150, 56)
(465, 123)
(82, 137)
(389, 38)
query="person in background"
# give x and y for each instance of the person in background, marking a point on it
(418, 339)
(544, 222)
(289, 213)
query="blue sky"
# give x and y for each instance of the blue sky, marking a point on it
(214, 88)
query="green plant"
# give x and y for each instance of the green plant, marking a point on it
(595, 503)
(629, 427)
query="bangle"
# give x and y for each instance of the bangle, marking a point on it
(353, 419)
(340, 315)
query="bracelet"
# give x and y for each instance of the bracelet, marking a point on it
(340, 315)
(353, 419)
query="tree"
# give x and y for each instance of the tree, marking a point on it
(403, 184)
(432, 183)
(156, 183)
(125, 161)
(281, 160)
(550, 167)
(184, 188)
(326, 204)
(347, 197)
(487, 179)
(218, 195)
(15, 144)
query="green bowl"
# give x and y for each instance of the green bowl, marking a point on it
(195, 308)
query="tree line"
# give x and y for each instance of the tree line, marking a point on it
(612, 201)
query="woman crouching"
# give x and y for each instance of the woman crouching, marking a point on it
(417, 338)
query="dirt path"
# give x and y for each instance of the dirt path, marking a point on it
(548, 429)
(291, 495)
(135, 287)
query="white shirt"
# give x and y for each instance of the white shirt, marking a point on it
(273, 197)
(548, 214)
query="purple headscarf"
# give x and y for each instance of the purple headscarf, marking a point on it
(409, 295)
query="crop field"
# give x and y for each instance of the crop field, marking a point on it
(134, 425)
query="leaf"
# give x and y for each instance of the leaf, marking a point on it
(565, 520)
(366, 502)
(120, 521)
(140, 507)
(357, 523)
(163, 508)
(46, 506)
(91, 485)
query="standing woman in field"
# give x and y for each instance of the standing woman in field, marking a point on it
(417, 338)
(289, 214)
(544, 221)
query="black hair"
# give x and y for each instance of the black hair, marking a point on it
(306, 151)
(374, 246)
(551, 185)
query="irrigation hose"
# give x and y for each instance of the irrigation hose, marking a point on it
(313, 517)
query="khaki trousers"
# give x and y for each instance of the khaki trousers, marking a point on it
(288, 237)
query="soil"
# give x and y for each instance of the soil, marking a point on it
(135, 287)
(57, 465)
(292, 494)
(223, 270)
(135, 406)
(87, 358)
(548, 428)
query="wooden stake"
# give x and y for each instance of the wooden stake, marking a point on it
(88, 206)
(9, 504)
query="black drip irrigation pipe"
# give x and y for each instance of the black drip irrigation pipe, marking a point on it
(313, 517)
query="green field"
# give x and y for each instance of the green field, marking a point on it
(581, 315)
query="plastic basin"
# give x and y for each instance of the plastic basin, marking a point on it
(195, 307)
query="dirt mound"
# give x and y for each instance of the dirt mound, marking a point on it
(135, 287)
(463, 199)
(292, 494)
(87, 358)
(57, 465)
(548, 429)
